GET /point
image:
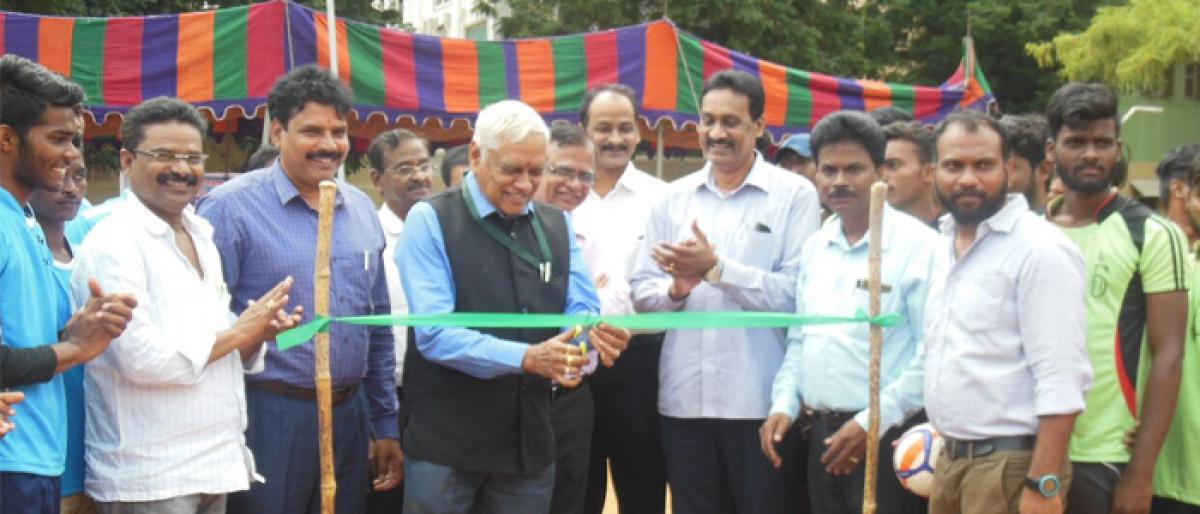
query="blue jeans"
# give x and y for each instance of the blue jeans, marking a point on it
(435, 489)
(283, 435)
(23, 493)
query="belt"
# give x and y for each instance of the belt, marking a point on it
(302, 393)
(830, 418)
(959, 449)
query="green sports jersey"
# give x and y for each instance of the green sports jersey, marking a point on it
(1129, 252)
(1177, 474)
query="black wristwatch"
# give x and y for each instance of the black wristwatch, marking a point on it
(1046, 485)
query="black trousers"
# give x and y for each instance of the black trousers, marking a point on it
(626, 434)
(571, 414)
(829, 494)
(716, 466)
(1162, 505)
(387, 502)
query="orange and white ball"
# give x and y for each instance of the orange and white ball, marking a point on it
(916, 453)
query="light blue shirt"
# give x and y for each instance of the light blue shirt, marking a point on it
(759, 230)
(72, 477)
(429, 286)
(29, 317)
(826, 366)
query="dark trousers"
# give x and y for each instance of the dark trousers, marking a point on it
(626, 434)
(283, 434)
(571, 414)
(23, 493)
(1092, 487)
(843, 494)
(387, 502)
(1162, 505)
(716, 466)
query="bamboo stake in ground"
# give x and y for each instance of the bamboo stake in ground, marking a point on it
(874, 287)
(321, 308)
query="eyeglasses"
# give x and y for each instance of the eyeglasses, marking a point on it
(168, 158)
(586, 178)
(404, 171)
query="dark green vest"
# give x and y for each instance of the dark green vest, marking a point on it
(499, 425)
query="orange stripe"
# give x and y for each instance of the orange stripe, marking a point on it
(535, 64)
(460, 63)
(54, 44)
(875, 94)
(774, 81)
(660, 89)
(195, 60)
(343, 47)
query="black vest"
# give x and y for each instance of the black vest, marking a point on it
(499, 425)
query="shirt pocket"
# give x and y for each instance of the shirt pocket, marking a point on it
(350, 285)
(978, 305)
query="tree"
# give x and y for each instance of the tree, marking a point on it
(360, 10)
(1118, 48)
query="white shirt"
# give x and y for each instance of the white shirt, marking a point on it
(611, 229)
(161, 421)
(826, 367)
(1005, 330)
(393, 226)
(759, 230)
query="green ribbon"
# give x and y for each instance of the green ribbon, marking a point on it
(646, 321)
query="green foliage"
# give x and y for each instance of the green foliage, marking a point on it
(1130, 47)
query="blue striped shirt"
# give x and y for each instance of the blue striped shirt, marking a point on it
(266, 232)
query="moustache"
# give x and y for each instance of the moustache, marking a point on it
(610, 147)
(323, 154)
(420, 184)
(841, 192)
(177, 178)
(715, 142)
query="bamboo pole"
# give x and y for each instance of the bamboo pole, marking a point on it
(874, 287)
(321, 308)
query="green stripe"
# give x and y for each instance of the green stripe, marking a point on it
(229, 53)
(87, 57)
(800, 103)
(904, 97)
(366, 64)
(644, 321)
(570, 72)
(492, 85)
(689, 74)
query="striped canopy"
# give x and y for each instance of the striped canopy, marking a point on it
(231, 57)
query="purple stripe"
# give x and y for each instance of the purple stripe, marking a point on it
(21, 35)
(851, 93)
(950, 101)
(744, 63)
(304, 36)
(160, 39)
(631, 58)
(511, 70)
(431, 90)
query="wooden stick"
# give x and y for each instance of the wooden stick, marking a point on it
(874, 286)
(321, 308)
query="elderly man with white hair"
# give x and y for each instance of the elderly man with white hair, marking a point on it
(476, 421)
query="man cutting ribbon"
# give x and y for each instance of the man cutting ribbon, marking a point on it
(514, 256)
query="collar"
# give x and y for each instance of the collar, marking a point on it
(631, 178)
(392, 224)
(286, 190)
(482, 204)
(159, 228)
(1110, 205)
(9, 202)
(831, 232)
(758, 176)
(1004, 220)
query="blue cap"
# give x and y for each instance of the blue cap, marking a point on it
(797, 143)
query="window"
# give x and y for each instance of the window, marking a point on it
(1191, 81)
(477, 31)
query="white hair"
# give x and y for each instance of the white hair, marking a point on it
(507, 121)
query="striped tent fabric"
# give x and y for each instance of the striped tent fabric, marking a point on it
(231, 57)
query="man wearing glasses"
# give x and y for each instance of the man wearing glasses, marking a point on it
(569, 176)
(403, 175)
(166, 402)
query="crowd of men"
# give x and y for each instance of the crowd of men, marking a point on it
(1043, 338)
